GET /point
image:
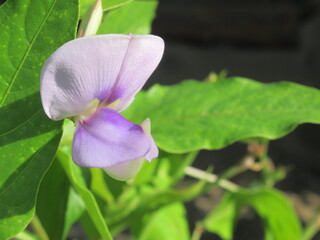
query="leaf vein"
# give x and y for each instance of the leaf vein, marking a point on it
(26, 54)
(21, 125)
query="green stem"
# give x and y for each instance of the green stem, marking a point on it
(312, 228)
(211, 178)
(38, 228)
(233, 171)
(264, 160)
(197, 232)
(25, 235)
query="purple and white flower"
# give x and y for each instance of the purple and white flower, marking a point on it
(90, 80)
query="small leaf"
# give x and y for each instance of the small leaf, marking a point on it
(166, 170)
(280, 219)
(75, 209)
(135, 17)
(166, 223)
(222, 218)
(196, 115)
(106, 4)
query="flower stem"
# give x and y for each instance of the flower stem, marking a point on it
(265, 163)
(38, 228)
(211, 178)
(312, 228)
(197, 232)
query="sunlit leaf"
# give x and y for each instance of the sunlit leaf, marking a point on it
(166, 223)
(29, 32)
(197, 115)
(135, 17)
(106, 4)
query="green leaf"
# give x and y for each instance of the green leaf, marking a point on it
(164, 171)
(280, 220)
(77, 180)
(99, 185)
(29, 32)
(52, 201)
(106, 4)
(58, 205)
(166, 223)
(135, 17)
(75, 209)
(126, 210)
(197, 115)
(222, 218)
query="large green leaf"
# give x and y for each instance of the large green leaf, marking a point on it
(281, 222)
(196, 115)
(135, 17)
(30, 31)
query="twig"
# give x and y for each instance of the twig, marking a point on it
(212, 178)
(38, 228)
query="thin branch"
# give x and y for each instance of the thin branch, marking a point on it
(211, 178)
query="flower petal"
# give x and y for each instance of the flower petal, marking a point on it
(154, 152)
(125, 171)
(107, 139)
(98, 67)
(143, 56)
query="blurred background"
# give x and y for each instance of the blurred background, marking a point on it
(266, 40)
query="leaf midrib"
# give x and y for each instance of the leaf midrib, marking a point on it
(26, 54)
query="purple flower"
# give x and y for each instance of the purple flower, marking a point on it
(90, 80)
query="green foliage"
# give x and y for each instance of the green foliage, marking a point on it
(52, 201)
(75, 209)
(135, 17)
(196, 115)
(76, 178)
(136, 202)
(222, 218)
(166, 170)
(280, 220)
(58, 205)
(167, 223)
(278, 215)
(30, 32)
(106, 4)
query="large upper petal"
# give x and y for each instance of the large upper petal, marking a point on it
(142, 57)
(103, 67)
(107, 139)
